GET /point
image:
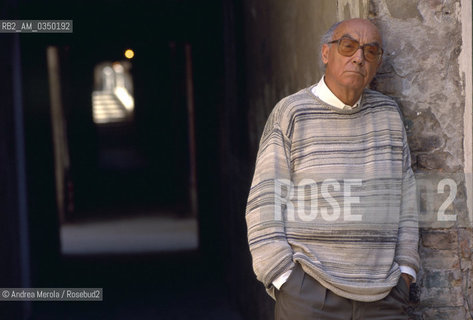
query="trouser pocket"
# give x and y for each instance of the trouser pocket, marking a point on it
(401, 291)
(300, 297)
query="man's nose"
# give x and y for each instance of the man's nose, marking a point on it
(358, 56)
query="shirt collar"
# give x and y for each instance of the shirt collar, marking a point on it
(326, 95)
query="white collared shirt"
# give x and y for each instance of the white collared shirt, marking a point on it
(322, 92)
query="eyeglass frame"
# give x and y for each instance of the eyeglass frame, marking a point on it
(359, 46)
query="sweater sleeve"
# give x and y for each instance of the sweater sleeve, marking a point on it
(271, 253)
(408, 235)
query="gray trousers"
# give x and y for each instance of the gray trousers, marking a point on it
(304, 298)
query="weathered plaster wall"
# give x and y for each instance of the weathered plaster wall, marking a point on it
(423, 41)
(466, 70)
(420, 69)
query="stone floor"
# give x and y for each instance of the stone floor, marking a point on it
(138, 233)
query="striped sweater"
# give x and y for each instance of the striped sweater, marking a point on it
(333, 190)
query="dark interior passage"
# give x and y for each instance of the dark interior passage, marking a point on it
(123, 171)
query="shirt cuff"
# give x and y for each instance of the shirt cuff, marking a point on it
(409, 271)
(279, 281)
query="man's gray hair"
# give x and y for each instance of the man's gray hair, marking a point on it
(326, 38)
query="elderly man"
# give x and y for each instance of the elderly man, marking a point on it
(332, 212)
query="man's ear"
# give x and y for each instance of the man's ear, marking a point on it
(325, 51)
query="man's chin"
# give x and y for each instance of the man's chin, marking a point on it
(354, 82)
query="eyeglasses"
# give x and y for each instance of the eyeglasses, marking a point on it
(347, 47)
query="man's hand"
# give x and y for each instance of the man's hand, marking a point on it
(407, 278)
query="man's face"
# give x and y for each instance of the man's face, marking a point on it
(350, 73)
